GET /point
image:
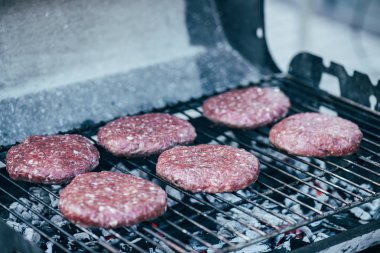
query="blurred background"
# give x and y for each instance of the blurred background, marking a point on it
(346, 31)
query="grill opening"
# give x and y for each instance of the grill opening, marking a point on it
(293, 195)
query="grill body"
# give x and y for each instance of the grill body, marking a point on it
(223, 48)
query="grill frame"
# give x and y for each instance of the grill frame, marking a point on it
(148, 232)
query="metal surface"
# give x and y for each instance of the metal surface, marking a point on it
(195, 218)
(353, 240)
(310, 68)
(81, 62)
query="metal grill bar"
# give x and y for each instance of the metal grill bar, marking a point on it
(295, 200)
(350, 116)
(105, 245)
(328, 98)
(191, 196)
(35, 228)
(99, 241)
(133, 245)
(351, 162)
(252, 148)
(42, 217)
(167, 242)
(185, 221)
(203, 202)
(299, 191)
(318, 168)
(159, 231)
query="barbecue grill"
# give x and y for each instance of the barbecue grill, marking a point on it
(301, 204)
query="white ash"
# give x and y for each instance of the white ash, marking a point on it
(140, 173)
(56, 187)
(40, 194)
(373, 208)
(226, 232)
(365, 186)
(196, 245)
(267, 217)
(249, 219)
(308, 233)
(21, 210)
(31, 235)
(58, 220)
(260, 247)
(181, 116)
(316, 223)
(268, 205)
(82, 236)
(126, 248)
(361, 214)
(119, 167)
(175, 193)
(18, 208)
(323, 198)
(49, 247)
(193, 113)
(109, 237)
(53, 201)
(197, 196)
(263, 139)
(210, 198)
(296, 207)
(230, 223)
(304, 188)
(319, 237)
(94, 138)
(347, 186)
(19, 227)
(332, 179)
(283, 241)
(289, 202)
(229, 197)
(320, 164)
(162, 247)
(206, 198)
(221, 138)
(251, 234)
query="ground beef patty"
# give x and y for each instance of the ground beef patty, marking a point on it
(51, 159)
(247, 108)
(110, 200)
(208, 168)
(315, 134)
(145, 134)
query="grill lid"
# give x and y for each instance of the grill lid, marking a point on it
(65, 62)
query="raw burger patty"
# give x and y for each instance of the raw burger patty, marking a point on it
(110, 200)
(247, 108)
(51, 159)
(208, 168)
(315, 134)
(145, 135)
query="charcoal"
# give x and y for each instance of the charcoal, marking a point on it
(82, 236)
(31, 235)
(19, 227)
(58, 220)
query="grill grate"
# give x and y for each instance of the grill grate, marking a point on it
(291, 191)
